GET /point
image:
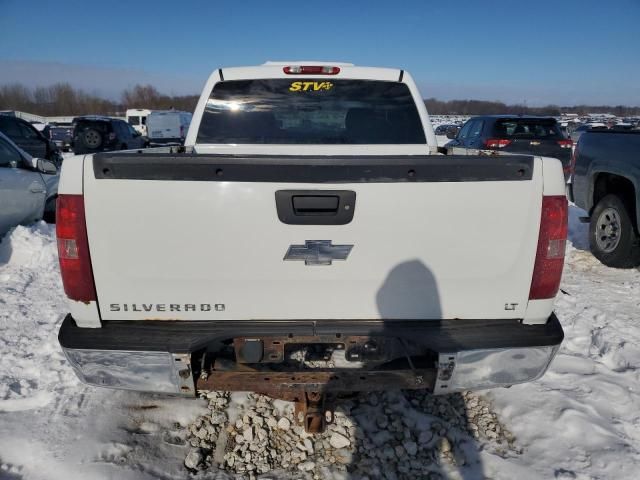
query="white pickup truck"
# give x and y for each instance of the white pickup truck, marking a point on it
(309, 240)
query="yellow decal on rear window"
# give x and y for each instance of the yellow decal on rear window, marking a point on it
(310, 86)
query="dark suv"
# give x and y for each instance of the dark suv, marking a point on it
(93, 134)
(514, 134)
(25, 136)
(61, 135)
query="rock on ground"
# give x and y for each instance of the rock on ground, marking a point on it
(403, 434)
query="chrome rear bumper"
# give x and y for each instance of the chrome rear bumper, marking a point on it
(157, 356)
(160, 372)
(491, 368)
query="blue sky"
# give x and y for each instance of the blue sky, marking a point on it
(538, 52)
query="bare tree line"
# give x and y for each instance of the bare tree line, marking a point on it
(63, 99)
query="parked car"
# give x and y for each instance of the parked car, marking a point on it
(513, 134)
(447, 129)
(41, 127)
(29, 139)
(61, 136)
(622, 127)
(606, 183)
(576, 132)
(28, 186)
(322, 182)
(137, 118)
(93, 134)
(168, 126)
(564, 130)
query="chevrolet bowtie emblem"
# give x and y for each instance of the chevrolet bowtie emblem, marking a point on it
(318, 252)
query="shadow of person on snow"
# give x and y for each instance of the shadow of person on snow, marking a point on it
(410, 434)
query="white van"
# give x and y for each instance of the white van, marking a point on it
(137, 118)
(168, 126)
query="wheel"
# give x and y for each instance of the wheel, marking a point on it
(612, 235)
(92, 138)
(49, 215)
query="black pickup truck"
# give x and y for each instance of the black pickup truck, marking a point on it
(606, 183)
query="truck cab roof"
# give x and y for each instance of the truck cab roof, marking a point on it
(277, 70)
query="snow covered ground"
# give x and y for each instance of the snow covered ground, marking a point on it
(580, 421)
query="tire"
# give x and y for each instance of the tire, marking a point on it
(92, 138)
(49, 215)
(612, 234)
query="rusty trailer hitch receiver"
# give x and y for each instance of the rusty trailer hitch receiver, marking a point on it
(261, 365)
(313, 391)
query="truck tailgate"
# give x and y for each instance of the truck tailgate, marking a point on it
(198, 237)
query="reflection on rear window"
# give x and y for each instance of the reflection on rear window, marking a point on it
(527, 128)
(311, 111)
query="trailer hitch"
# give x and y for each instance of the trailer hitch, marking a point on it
(260, 364)
(313, 412)
(312, 391)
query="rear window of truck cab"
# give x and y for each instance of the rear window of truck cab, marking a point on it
(539, 128)
(311, 111)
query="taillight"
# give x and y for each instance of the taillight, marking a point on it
(311, 70)
(552, 239)
(565, 143)
(73, 249)
(496, 142)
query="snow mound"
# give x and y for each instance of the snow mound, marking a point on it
(30, 308)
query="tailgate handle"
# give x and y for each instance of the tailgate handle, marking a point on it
(315, 204)
(315, 207)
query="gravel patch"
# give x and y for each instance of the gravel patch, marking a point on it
(393, 435)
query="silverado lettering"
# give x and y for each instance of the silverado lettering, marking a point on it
(162, 307)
